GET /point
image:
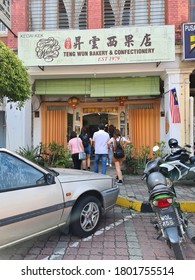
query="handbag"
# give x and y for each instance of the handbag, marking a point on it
(82, 155)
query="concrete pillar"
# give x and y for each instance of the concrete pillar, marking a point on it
(185, 105)
(178, 79)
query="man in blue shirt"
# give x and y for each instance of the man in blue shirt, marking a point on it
(100, 141)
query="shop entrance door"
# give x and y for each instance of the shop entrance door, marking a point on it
(93, 120)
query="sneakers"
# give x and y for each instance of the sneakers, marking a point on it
(119, 182)
(107, 163)
(110, 165)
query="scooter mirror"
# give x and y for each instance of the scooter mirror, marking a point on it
(155, 148)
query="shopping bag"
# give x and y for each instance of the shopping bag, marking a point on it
(82, 155)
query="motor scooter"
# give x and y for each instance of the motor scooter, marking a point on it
(178, 164)
(171, 223)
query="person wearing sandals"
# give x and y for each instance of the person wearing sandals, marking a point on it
(118, 161)
(75, 146)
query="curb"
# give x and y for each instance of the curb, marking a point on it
(144, 206)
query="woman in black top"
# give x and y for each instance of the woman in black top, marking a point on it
(87, 142)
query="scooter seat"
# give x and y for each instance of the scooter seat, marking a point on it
(181, 157)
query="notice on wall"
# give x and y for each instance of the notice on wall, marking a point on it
(97, 46)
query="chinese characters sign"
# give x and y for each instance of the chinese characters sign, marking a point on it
(5, 17)
(189, 41)
(97, 46)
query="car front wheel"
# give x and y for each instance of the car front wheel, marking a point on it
(85, 216)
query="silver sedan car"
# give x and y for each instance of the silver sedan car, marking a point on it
(34, 200)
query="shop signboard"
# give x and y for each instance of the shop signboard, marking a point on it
(189, 41)
(97, 46)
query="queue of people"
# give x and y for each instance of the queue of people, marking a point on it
(104, 143)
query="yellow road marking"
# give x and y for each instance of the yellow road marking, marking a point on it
(186, 206)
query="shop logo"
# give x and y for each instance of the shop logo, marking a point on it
(68, 43)
(47, 49)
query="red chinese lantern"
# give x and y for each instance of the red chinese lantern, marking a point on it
(121, 100)
(121, 103)
(73, 101)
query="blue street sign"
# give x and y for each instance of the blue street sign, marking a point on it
(189, 41)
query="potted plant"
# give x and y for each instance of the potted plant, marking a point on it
(142, 157)
(51, 155)
(130, 161)
(136, 160)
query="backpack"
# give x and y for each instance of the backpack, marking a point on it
(119, 151)
(85, 140)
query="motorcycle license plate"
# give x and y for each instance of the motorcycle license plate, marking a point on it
(168, 219)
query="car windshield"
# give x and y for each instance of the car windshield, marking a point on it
(15, 173)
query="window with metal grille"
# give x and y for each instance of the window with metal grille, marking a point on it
(133, 12)
(192, 10)
(57, 14)
(3, 29)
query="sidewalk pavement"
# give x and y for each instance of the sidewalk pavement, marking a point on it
(142, 241)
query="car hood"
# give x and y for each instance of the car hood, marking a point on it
(66, 174)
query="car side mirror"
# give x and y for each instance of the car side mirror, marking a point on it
(49, 178)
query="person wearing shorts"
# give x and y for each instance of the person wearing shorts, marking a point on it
(118, 161)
